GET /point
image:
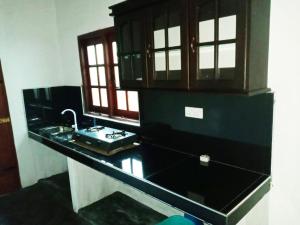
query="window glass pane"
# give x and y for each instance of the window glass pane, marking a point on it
(174, 17)
(100, 53)
(138, 66)
(174, 36)
(137, 168)
(206, 18)
(115, 55)
(93, 76)
(228, 7)
(160, 20)
(137, 35)
(102, 76)
(175, 60)
(121, 99)
(227, 56)
(160, 61)
(117, 77)
(126, 38)
(126, 165)
(206, 57)
(95, 97)
(159, 39)
(126, 68)
(206, 31)
(133, 101)
(91, 55)
(48, 94)
(227, 27)
(104, 101)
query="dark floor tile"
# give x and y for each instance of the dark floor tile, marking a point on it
(61, 185)
(49, 203)
(119, 209)
(44, 203)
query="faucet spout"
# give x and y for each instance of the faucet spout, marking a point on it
(75, 126)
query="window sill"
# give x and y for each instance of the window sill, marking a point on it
(121, 120)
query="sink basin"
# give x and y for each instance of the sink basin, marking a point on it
(56, 130)
(68, 136)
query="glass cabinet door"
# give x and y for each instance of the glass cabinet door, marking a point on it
(132, 51)
(227, 39)
(167, 29)
(139, 48)
(215, 41)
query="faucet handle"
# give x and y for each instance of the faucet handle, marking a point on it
(75, 127)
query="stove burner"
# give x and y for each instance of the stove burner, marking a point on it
(94, 129)
(115, 135)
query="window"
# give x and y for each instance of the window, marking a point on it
(100, 75)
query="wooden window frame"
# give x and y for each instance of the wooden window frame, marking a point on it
(105, 37)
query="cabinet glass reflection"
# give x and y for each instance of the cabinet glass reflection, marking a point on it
(133, 166)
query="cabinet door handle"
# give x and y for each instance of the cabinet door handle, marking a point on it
(148, 51)
(193, 45)
(4, 120)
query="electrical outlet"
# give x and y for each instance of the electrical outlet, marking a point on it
(193, 112)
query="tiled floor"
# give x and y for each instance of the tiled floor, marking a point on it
(49, 203)
(46, 203)
(119, 209)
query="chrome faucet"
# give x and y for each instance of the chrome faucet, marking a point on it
(75, 126)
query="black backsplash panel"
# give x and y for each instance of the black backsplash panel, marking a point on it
(240, 118)
(236, 129)
(46, 105)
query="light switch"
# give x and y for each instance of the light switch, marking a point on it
(193, 112)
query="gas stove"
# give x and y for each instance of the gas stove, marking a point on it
(104, 140)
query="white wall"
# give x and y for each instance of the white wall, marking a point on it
(30, 59)
(284, 79)
(76, 17)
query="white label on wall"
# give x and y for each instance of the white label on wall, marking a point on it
(193, 112)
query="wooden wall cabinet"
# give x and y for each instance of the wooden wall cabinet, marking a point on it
(229, 45)
(132, 41)
(206, 45)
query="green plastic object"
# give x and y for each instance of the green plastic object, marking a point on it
(176, 220)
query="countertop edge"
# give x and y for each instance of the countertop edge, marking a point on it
(237, 213)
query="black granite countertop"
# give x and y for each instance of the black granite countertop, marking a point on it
(217, 193)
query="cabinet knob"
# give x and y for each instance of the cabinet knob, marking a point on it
(193, 45)
(149, 51)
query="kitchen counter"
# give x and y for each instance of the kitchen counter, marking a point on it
(217, 193)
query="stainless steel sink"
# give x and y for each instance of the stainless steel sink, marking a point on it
(56, 130)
